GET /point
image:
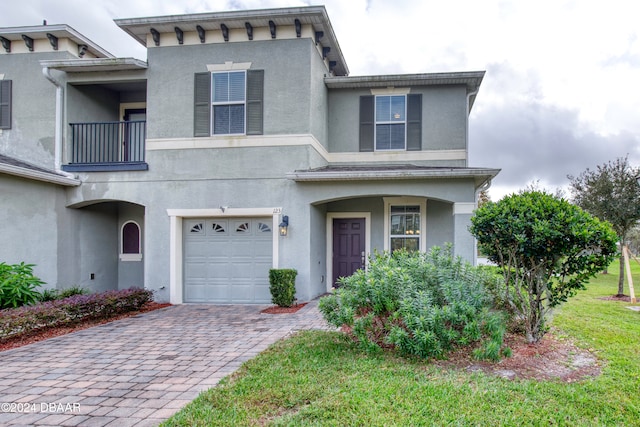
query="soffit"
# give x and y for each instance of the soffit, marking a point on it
(61, 31)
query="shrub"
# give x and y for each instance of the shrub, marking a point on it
(546, 248)
(420, 304)
(282, 284)
(18, 285)
(71, 310)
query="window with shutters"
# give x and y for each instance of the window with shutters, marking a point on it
(5, 104)
(391, 122)
(228, 103)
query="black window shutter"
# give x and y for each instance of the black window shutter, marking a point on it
(5, 104)
(202, 105)
(367, 122)
(255, 97)
(414, 122)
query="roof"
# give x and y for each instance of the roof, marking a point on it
(406, 171)
(58, 30)
(13, 166)
(316, 16)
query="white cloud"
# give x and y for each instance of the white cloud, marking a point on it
(561, 89)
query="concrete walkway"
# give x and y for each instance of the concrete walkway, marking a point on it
(140, 370)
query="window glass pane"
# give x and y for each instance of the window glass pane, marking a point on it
(221, 119)
(236, 86)
(220, 87)
(396, 137)
(397, 112)
(130, 239)
(236, 119)
(383, 137)
(383, 108)
(408, 243)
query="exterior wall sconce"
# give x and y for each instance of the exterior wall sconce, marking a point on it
(284, 225)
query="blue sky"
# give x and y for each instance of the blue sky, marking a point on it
(561, 93)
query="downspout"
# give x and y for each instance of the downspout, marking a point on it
(57, 155)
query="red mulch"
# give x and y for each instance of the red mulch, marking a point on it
(19, 341)
(283, 310)
(549, 359)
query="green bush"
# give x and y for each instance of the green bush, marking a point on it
(547, 249)
(56, 294)
(18, 285)
(420, 304)
(282, 284)
(71, 310)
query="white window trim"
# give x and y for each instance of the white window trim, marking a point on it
(375, 126)
(403, 201)
(329, 236)
(131, 257)
(176, 216)
(243, 103)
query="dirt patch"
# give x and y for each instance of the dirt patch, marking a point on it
(283, 310)
(549, 359)
(624, 298)
(19, 341)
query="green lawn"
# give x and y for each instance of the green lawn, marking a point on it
(320, 378)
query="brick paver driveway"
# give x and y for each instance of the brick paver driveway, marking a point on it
(140, 370)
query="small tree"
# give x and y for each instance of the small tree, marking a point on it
(547, 249)
(611, 193)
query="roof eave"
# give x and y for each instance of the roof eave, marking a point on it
(483, 174)
(37, 175)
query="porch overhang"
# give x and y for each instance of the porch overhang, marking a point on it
(97, 64)
(15, 167)
(395, 172)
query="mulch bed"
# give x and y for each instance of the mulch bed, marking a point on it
(283, 310)
(19, 341)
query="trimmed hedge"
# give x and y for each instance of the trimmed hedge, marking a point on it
(72, 310)
(282, 284)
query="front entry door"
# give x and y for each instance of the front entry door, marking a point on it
(348, 247)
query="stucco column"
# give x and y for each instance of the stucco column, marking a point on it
(464, 242)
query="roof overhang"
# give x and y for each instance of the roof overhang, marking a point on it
(470, 79)
(98, 64)
(316, 16)
(11, 166)
(59, 30)
(400, 172)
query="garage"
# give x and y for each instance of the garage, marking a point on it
(227, 260)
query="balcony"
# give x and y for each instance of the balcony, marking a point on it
(107, 146)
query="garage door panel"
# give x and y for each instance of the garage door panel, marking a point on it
(227, 261)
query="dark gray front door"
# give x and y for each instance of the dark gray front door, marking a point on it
(348, 246)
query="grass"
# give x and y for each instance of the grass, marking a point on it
(320, 378)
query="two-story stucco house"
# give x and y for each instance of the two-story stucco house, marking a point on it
(177, 173)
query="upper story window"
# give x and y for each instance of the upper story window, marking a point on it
(391, 122)
(228, 103)
(5, 104)
(228, 98)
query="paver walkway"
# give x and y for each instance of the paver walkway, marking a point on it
(140, 370)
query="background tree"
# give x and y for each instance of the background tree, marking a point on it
(611, 193)
(547, 249)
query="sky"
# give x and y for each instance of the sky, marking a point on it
(561, 91)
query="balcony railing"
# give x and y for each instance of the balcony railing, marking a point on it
(107, 146)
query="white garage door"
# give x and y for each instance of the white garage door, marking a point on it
(227, 260)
